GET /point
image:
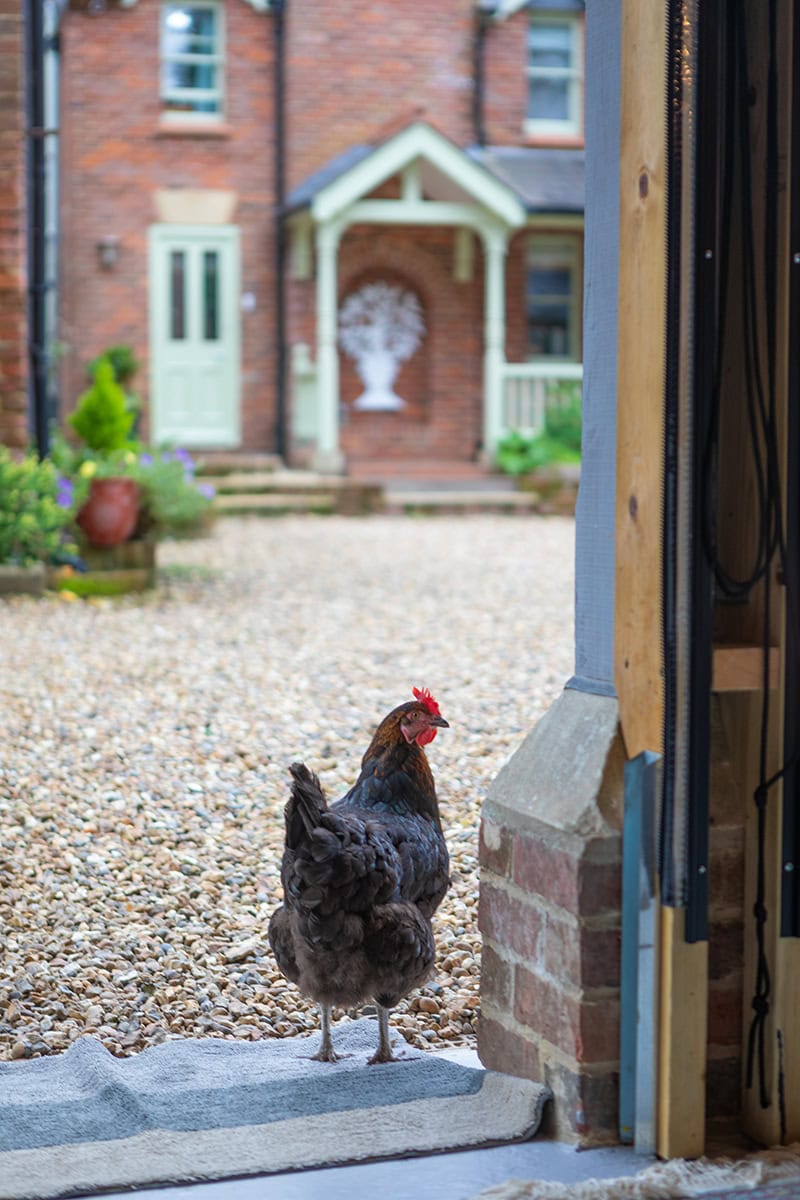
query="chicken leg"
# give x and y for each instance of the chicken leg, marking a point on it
(326, 1052)
(384, 1052)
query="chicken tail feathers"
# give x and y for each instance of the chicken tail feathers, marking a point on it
(305, 806)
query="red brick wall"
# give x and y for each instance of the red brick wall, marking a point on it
(505, 84)
(550, 973)
(551, 923)
(115, 156)
(354, 68)
(13, 273)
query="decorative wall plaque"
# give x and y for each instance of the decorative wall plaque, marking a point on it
(380, 327)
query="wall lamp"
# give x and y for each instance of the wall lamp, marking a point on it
(108, 251)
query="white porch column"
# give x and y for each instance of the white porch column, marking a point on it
(328, 456)
(495, 244)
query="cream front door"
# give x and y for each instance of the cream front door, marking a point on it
(195, 335)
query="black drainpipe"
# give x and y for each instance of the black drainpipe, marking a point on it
(37, 283)
(483, 14)
(279, 10)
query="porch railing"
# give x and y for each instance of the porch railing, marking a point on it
(526, 391)
(529, 389)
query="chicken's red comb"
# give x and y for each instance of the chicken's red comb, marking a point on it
(426, 699)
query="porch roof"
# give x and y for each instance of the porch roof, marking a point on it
(545, 180)
(447, 174)
(541, 180)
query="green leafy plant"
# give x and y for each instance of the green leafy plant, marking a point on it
(124, 364)
(103, 418)
(559, 442)
(35, 510)
(562, 424)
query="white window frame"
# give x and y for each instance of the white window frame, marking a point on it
(559, 250)
(573, 125)
(217, 59)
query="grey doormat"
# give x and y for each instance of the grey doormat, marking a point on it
(193, 1110)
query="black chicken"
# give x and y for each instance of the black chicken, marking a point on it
(362, 878)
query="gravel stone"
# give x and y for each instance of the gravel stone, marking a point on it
(145, 744)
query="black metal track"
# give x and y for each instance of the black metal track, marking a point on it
(705, 317)
(687, 579)
(37, 285)
(790, 858)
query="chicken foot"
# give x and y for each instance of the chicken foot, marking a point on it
(384, 1052)
(326, 1052)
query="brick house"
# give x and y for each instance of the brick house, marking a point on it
(233, 172)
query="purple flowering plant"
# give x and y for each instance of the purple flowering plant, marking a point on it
(173, 502)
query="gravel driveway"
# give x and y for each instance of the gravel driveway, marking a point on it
(144, 746)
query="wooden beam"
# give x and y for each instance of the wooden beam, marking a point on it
(640, 376)
(741, 668)
(682, 1044)
(787, 1036)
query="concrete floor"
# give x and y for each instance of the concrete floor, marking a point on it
(437, 1177)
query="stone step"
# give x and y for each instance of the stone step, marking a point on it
(417, 468)
(491, 483)
(226, 462)
(247, 482)
(269, 503)
(461, 500)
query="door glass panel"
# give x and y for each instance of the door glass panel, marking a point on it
(211, 330)
(177, 287)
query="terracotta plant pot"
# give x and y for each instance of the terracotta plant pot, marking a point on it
(109, 515)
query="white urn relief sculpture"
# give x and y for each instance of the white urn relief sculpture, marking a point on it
(380, 327)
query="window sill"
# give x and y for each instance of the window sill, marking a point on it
(554, 141)
(188, 129)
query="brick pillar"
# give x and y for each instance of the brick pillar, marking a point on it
(550, 855)
(13, 275)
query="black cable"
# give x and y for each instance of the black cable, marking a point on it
(762, 403)
(781, 1088)
(761, 423)
(759, 346)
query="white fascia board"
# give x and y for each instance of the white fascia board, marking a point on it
(418, 141)
(419, 212)
(507, 8)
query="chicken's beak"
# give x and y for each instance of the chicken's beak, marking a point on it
(440, 722)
